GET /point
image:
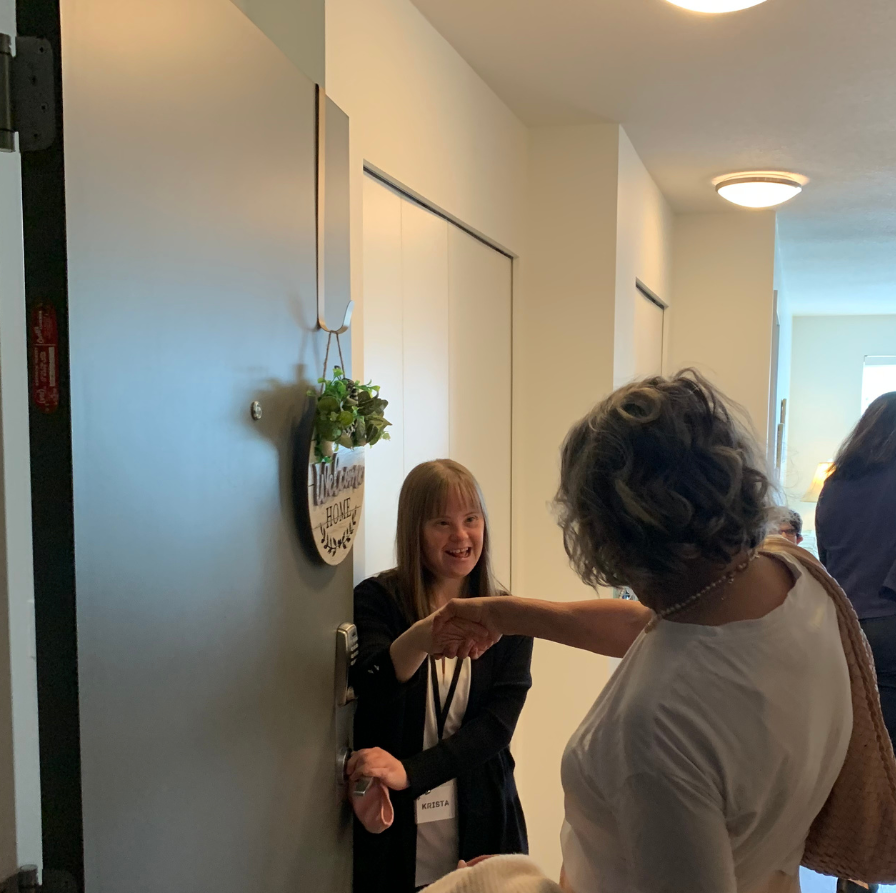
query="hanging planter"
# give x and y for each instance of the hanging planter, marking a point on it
(349, 414)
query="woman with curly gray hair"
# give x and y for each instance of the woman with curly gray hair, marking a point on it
(717, 741)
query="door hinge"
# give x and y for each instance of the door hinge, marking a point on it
(26, 880)
(27, 94)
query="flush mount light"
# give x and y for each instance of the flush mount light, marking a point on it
(759, 189)
(715, 5)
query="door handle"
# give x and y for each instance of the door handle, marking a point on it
(362, 785)
(343, 755)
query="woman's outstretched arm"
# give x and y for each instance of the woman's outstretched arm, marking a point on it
(603, 626)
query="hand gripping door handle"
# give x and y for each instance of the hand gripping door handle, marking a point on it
(362, 785)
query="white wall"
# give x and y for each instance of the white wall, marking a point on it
(384, 357)
(422, 116)
(563, 363)
(826, 391)
(643, 251)
(419, 113)
(723, 273)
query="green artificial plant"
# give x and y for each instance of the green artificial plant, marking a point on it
(349, 414)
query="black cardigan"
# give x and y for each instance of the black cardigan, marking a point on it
(391, 715)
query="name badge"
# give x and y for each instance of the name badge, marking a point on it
(438, 804)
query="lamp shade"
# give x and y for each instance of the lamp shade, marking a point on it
(758, 190)
(821, 475)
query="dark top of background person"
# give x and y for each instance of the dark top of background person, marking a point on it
(856, 517)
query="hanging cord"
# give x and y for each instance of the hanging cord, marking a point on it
(327, 357)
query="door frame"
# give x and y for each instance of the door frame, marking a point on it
(415, 197)
(654, 298)
(20, 807)
(52, 498)
(773, 443)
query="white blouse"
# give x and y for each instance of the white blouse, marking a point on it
(708, 755)
(437, 842)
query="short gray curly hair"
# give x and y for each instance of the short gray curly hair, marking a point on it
(657, 476)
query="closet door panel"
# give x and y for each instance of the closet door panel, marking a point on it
(384, 365)
(426, 343)
(480, 394)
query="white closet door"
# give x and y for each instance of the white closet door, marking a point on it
(648, 337)
(384, 365)
(424, 282)
(479, 289)
(437, 338)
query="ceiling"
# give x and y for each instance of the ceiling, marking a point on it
(797, 85)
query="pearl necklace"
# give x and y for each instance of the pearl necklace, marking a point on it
(683, 605)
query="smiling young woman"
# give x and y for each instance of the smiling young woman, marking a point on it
(435, 731)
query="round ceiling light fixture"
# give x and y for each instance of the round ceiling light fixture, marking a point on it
(759, 189)
(715, 5)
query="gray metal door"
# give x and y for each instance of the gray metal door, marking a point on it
(204, 720)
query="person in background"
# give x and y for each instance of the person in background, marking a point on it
(435, 730)
(786, 522)
(856, 527)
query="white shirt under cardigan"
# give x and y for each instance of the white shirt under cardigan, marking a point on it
(437, 842)
(706, 758)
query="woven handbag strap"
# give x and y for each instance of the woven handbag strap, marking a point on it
(854, 643)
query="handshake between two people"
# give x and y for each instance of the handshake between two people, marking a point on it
(465, 627)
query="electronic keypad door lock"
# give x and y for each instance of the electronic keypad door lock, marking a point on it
(346, 655)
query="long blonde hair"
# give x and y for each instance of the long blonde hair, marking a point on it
(423, 497)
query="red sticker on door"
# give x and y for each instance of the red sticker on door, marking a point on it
(44, 358)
